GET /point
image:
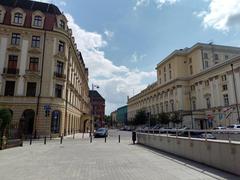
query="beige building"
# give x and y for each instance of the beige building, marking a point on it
(196, 81)
(40, 66)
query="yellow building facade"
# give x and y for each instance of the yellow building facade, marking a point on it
(198, 82)
(41, 69)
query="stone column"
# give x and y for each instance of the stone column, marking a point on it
(180, 96)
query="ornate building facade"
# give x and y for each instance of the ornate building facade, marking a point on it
(198, 82)
(41, 70)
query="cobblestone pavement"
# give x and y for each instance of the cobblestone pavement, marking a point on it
(80, 160)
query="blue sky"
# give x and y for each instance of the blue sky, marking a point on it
(123, 40)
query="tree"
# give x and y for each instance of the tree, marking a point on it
(176, 118)
(5, 120)
(107, 120)
(140, 118)
(163, 118)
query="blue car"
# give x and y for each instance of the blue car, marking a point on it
(101, 132)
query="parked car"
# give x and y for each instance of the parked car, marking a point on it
(207, 135)
(101, 132)
(234, 126)
(219, 128)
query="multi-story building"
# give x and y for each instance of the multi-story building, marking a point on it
(98, 107)
(113, 118)
(121, 115)
(41, 68)
(198, 82)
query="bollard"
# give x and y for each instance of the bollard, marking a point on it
(119, 139)
(90, 139)
(50, 136)
(61, 139)
(134, 137)
(105, 139)
(45, 140)
(31, 140)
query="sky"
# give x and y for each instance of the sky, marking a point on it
(122, 41)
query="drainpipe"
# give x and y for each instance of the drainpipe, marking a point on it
(66, 95)
(40, 88)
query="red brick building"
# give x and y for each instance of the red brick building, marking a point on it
(98, 107)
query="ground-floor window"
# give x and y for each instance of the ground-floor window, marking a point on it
(55, 122)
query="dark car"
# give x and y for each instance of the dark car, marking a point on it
(101, 132)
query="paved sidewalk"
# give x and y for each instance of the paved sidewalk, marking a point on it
(80, 160)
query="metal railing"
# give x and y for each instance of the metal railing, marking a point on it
(10, 71)
(224, 134)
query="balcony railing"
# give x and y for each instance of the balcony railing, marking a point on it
(59, 75)
(11, 71)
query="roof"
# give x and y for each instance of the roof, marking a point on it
(32, 6)
(93, 94)
(187, 50)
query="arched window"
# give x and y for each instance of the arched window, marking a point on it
(62, 24)
(18, 18)
(55, 122)
(37, 21)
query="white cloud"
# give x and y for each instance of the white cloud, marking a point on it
(158, 3)
(221, 15)
(63, 3)
(109, 34)
(137, 57)
(116, 82)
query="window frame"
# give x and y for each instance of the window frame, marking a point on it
(36, 41)
(16, 39)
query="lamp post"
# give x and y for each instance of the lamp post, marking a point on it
(235, 92)
(191, 111)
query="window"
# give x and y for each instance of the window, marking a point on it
(59, 67)
(62, 24)
(191, 69)
(18, 18)
(208, 102)
(61, 46)
(15, 39)
(226, 57)
(172, 106)
(35, 41)
(170, 74)
(206, 64)
(166, 106)
(37, 21)
(165, 77)
(9, 88)
(164, 69)
(31, 89)
(169, 66)
(224, 77)
(216, 57)
(194, 107)
(58, 91)
(226, 100)
(225, 87)
(193, 88)
(160, 80)
(207, 83)
(33, 64)
(205, 55)
(190, 60)
(12, 62)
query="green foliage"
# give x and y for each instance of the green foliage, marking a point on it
(176, 118)
(163, 118)
(5, 120)
(140, 118)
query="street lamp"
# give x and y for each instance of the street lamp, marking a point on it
(235, 92)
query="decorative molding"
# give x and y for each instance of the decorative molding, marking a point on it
(13, 49)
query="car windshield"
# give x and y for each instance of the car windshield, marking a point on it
(101, 129)
(232, 126)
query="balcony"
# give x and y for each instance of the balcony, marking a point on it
(11, 71)
(59, 75)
